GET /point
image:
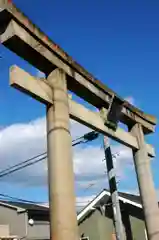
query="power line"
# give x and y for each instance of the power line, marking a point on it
(19, 166)
(6, 197)
(17, 199)
(23, 162)
(27, 163)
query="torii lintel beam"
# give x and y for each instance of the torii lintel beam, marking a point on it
(40, 90)
(29, 42)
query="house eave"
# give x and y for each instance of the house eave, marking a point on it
(18, 209)
(90, 206)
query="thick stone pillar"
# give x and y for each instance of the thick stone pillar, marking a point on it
(146, 185)
(63, 219)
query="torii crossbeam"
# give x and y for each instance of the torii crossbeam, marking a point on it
(22, 37)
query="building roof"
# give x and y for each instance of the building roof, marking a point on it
(24, 205)
(103, 196)
(132, 197)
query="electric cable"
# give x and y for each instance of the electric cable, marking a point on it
(19, 166)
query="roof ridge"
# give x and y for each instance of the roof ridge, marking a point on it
(122, 197)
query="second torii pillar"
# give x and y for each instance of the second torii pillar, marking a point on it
(63, 219)
(146, 185)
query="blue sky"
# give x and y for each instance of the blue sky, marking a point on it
(117, 41)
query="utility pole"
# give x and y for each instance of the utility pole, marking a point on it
(113, 191)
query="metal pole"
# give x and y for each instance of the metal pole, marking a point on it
(146, 185)
(63, 219)
(113, 191)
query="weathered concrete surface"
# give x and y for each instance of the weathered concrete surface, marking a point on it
(63, 219)
(95, 92)
(146, 185)
(40, 90)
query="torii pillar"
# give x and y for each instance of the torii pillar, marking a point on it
(146, 184)
(53, 92)
(63, 219)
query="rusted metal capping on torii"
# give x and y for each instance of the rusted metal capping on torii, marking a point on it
(28, 41)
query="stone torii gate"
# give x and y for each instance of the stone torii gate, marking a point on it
(62, 73)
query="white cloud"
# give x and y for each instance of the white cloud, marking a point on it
(19, 142)
(81, 201)
(77, 129)
(130, 99)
